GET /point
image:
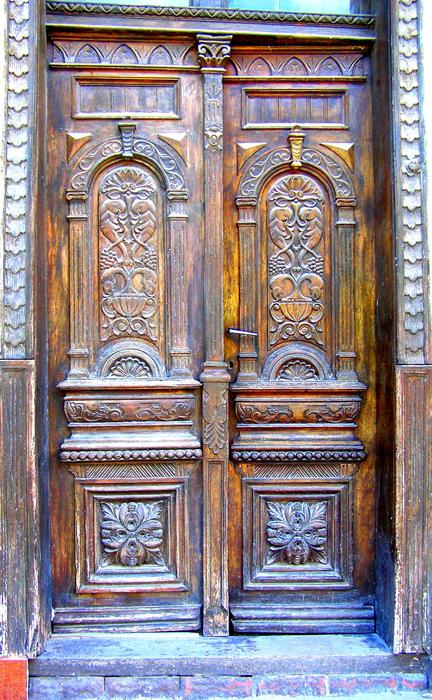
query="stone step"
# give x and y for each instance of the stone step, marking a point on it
(364, 685)
(186, 665)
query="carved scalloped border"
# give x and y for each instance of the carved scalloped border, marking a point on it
(16, 202)
(410, 235)
(211, 13)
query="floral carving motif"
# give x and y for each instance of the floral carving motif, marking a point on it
(78, 412)
(325, 414)
(214, 434)
(179, 410)
(128, 255)
(297, 370)
(297, 532)
(131, 533)
(130, 367)
(296, 260)
(249, 413)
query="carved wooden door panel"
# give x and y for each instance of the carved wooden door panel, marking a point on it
(202, 479)
(125, 265)
(298, 231)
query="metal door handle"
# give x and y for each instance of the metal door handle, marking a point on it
(237, 331)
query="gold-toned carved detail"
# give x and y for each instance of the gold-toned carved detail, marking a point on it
(178, 141)
(245, 151)
(344, 151)
(295, 140)
(296, 261)
(74, 141)
(297, 532)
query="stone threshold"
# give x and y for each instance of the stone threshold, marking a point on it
(182, 654)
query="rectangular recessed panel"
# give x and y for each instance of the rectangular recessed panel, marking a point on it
(268, 108)
(103, 98)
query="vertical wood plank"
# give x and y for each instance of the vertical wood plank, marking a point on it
(413, 516)
(213, 52)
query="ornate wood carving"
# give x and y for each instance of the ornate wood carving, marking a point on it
(297, 532)
(61, 7)
(275, 63)
(408, 157)
(131, 533)
(296, 260)
(129, 255)
(131, 536)
(213, 52)
(131, 53)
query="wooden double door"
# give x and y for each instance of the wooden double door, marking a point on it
(210, 266)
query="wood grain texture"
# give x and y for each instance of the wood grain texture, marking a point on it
(413, 493)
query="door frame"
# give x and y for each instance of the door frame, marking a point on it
(404, 535)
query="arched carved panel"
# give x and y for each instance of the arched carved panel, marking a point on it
(296, 222)
(130, 233)
(296, 295)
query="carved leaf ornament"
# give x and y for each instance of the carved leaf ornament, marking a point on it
(131, 533)
(296, 262)
(297, 532)
(128, 255)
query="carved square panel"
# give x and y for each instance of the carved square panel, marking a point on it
(297, 536)
(131, 537)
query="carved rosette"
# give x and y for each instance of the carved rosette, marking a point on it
(131, 534)
(297, 532)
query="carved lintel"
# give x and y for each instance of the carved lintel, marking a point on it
(295, 140)
(127, 131)
(213, 51)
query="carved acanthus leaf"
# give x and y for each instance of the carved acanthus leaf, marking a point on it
(326, 414)
(80, 412)
(252, 413)
(213, 51)
(215, 421)
(177, 410)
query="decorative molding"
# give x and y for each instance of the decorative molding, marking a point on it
(126, 455)
(245, 151)
(113, 471)
(408, 158)
(298, 472)
(81, 412)
(215, 418)
(344, 151)
(208, 13)
(213, 50)
(326, 414)
(16, 261)
(328, 454)
(261, 168)
(179, 141)
(75, 141)
(174, 410)
(116, 53)
(256, 413)
(280, 64)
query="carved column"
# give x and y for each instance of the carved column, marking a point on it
(248, 281)
(177, 226)
(344, 289)
(212, 52)
(79, 292)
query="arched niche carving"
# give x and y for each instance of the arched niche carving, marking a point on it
(126, 209)
(302, 301)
